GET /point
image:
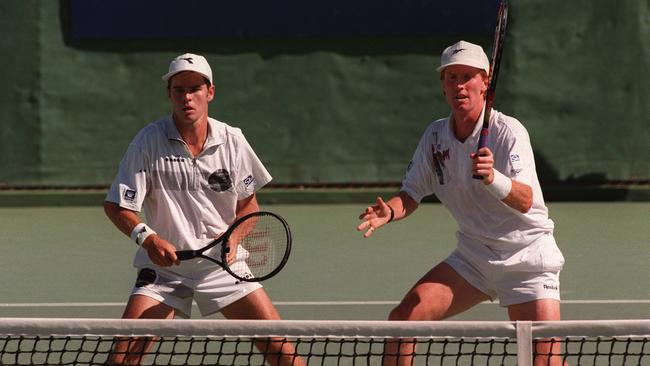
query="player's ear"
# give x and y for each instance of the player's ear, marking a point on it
(210, 93)
(486, 80)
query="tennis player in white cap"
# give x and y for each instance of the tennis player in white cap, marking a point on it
(193, 176)
(505, 247)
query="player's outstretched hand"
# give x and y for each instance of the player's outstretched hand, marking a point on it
(374, 217)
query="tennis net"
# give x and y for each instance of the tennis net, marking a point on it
(47, 341)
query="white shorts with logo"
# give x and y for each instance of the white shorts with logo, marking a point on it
(212, 291)
(531, 273)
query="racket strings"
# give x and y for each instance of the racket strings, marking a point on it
(261, 246)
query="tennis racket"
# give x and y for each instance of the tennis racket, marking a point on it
(497, 50)
(261, 242)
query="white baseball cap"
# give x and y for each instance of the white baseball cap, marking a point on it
(189, 62)
(464, 53)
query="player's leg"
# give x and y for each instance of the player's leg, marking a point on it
(530, 288)
(258, 305)
(130, 351)
(439, 294)
(542, 309)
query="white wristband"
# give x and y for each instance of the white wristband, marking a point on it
(141, 232)
(500, 186)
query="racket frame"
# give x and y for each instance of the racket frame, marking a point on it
(497, 51)
(225, 249)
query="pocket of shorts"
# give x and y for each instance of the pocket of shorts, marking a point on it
(552, 258)
(542, 256)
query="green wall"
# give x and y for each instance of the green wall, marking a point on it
(328, 110)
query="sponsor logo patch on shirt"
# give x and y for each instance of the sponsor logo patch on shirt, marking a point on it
(514, 158)
(129, 195)
(249, 180)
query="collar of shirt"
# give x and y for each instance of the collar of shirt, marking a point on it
(216, 132)
(473, 138)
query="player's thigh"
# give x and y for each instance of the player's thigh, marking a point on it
(145, 307)
(256, 305)
(439, 294)
(541, 309)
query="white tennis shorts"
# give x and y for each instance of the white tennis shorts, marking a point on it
(529, 274)
(212, 291)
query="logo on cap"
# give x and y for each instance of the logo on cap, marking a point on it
(458, 50)
(188, 59)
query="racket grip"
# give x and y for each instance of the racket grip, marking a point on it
(482, 142)
(186, 254)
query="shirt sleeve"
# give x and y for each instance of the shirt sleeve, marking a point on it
(519, 162)
(130, 185)
(251, 173)
(418, 180)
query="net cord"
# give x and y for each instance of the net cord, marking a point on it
(344, 328)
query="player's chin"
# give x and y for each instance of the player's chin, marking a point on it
(461, 105)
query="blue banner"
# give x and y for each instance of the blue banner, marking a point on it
(133, 19)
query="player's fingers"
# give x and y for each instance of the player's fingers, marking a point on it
(369, 232)
(231, 256)
(363, 226)
(484, 151)
(162, 260)
(171, 255)
(370, 212)
(478, 171)
(385, 210)
(364, 213)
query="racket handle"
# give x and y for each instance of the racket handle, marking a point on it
(482, 142)
(186, 254)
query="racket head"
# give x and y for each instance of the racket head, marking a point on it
(263, 243)
(497, 47)
(497, 51)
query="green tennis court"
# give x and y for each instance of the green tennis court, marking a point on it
(72, 262)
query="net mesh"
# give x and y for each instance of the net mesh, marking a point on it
(221, 342)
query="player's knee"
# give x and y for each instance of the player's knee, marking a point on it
(404, 312)
(416, 311)
(396, 314)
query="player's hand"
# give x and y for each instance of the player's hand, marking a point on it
(160, 251)
(374, 217)
(233, 246)
(483, 164)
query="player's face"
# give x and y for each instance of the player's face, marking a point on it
(464, 88)
(190, 96)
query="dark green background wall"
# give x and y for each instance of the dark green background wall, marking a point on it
(347, 110)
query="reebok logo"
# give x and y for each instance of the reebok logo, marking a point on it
(458, 50)
(188, 59)
(551, 287)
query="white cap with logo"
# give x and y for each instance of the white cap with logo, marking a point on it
(464, 53)
(189, 62)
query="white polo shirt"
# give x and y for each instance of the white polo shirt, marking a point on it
(442, 165)
(187, 200)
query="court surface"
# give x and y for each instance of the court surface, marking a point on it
(72, 262)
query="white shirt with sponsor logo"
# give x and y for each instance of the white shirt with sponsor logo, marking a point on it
(187, 200)
(442, 165)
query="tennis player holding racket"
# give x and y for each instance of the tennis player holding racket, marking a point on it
(194, 176)
(505, 248)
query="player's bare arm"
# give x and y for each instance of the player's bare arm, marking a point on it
(247, 205)
(159, 250)
(244, 207)
(520, 196)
